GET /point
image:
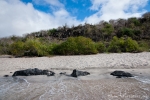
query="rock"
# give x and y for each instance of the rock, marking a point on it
(6, 75)
(62, 73)
(50, 73)
(120, 74)
(35, 71)
(77, 73)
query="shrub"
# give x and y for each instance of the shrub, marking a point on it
(123, 45)
(100, 47)
(76, 46)
(34, 47)
(115, 45)
(144, 45)
(125, 31)
(50, 48)
(131, 45)
(17, 48)
(31, 47)
(85, 45)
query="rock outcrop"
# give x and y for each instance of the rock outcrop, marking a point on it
(77, 73)
(35, 71)
(120, 74)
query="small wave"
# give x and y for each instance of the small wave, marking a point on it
(13, 84)
(142, 79)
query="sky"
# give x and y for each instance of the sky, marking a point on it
(19, 17)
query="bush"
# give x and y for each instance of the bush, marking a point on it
(144, 45)
(33, 47)
(131, 45)
(125, 31)
(116, 45)
(100, 47)
(17, 48)
(123, 45)
(76, 46)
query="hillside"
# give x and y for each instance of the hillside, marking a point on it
(105, 36)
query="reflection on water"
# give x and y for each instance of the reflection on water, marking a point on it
(74, 89)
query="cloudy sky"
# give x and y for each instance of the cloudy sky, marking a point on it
(18, 17)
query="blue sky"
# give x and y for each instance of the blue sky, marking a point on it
(19, 17)
(78, 8)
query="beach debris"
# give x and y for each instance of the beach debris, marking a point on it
(77, 73)
(120, 74)
(6, 75)
(35, 71)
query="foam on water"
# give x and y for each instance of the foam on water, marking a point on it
(74, 88)
(143, 79)
(14, 85)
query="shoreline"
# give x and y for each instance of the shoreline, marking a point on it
(98, 85)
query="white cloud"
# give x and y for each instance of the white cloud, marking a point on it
(114, 9)
(55, 3)
(18, 18)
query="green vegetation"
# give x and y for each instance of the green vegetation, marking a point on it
(131, 45)
(17, 48)
(123, 45)
(121, 35)
(144, 45)
(100, 47)
(76, 46)
(32, 47)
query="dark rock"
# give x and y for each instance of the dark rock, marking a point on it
(50, 73)
(34, 71)
(10, 72)
(6, 75)
(77, 73)
(62, 73)
(118, 77)
(120, 74)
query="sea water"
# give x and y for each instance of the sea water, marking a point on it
(68, 88)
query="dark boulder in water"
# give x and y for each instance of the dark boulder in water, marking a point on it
(35, 71)
(77, 73)
(120, 74)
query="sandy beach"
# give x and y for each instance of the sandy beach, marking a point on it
(99, 85)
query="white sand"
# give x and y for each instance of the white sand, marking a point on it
(113, 61)
(99, 85)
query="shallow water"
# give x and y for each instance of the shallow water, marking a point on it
(68, 88)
